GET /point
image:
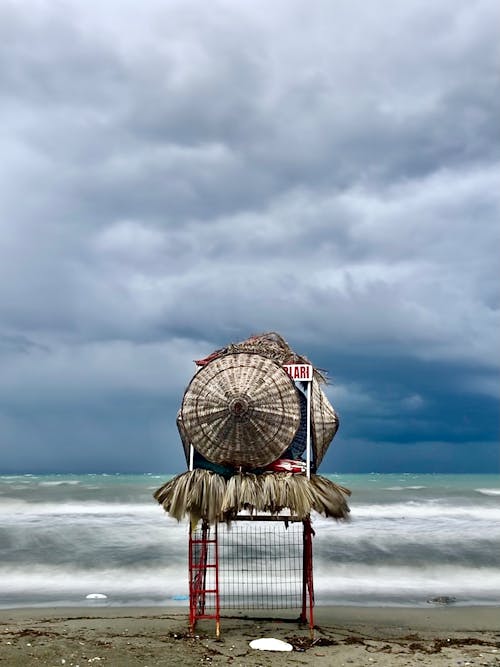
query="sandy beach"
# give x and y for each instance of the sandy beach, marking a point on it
(145, 637)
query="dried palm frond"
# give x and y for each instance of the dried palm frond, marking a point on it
(195, 494)
(269, 483)
(280, 489)
(217, 485)
(249, 497)
(203, 494)
(172, 495)
(259, 492)
(194, 519)
(162, 493)
(329, 499)
(231, 502)
(300, 498)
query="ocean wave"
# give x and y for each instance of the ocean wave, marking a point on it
(10, 477)
(373, 513)
(488, 492)
(8, 505)
(425, 510)
(446, 580)
(345, 582)
(403, 488)
(79, 582)
(61, 482)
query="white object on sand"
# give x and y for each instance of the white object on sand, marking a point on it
(96, 596)
(270, 644)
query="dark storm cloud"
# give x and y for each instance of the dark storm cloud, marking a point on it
(177, 177)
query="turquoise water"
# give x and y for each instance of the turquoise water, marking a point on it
(411, 538)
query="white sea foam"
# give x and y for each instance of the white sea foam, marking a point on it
(375, 512)
(424, 510)
(7, 478)
(9, 505)
(489, 492)
(76, 582)
(60, 482)
(348, 579)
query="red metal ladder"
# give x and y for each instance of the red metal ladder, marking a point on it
(203, 561)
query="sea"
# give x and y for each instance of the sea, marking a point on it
(99, 539)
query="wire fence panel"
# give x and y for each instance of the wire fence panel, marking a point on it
(260, 565)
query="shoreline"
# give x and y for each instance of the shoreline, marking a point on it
(154, 636)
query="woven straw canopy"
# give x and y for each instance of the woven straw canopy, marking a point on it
(241, 410)
(324, 421)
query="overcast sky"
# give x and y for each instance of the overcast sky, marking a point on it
(176, 176)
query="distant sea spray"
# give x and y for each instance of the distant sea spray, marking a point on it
(412, 538)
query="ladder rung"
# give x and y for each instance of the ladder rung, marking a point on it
(203, 541)
(202, 567)
(197, 591)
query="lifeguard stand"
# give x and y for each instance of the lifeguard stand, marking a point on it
(247, 488)
(235, 567)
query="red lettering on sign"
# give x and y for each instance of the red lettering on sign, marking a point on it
(299, 371)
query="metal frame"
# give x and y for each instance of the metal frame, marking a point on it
(204, 555)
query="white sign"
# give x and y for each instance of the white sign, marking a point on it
(302, 372)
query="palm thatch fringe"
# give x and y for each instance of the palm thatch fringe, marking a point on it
(203, 494)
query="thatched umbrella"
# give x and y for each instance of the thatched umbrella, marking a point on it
(242, 410)
(324, 421)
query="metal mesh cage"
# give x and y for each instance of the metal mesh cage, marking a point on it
(260, 565)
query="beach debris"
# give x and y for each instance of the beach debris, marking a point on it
(96, 596)
(270, 644)
(301, 643)
(442, 599)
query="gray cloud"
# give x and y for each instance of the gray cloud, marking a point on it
(177, 177)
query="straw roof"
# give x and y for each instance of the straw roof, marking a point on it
(270, 345)
(202, 494)
(240, 409)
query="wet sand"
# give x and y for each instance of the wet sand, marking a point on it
(343, 636)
